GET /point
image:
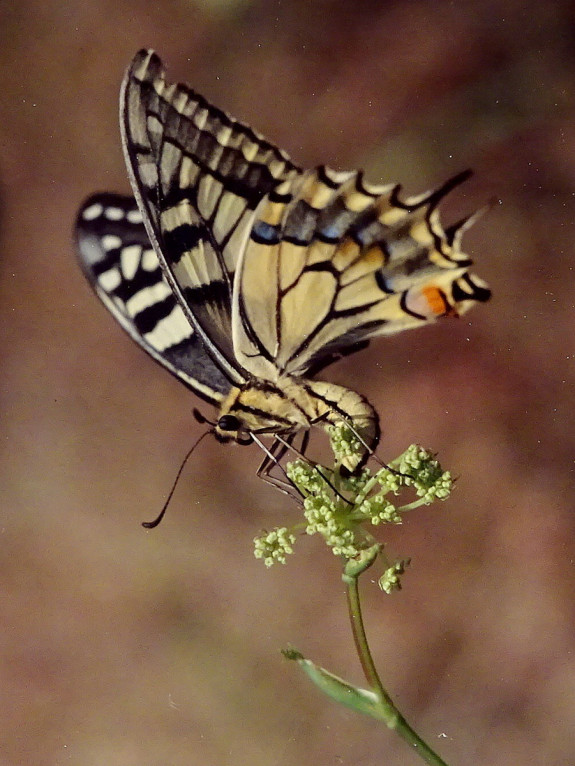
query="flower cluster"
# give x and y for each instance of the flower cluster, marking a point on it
(390, 579)
(343, 509)
(274, 546)
(344, 443)
(424, 473)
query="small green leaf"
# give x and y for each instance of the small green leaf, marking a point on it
(360, 700)
(292, 654)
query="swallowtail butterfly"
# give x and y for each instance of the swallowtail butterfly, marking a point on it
(245, 275)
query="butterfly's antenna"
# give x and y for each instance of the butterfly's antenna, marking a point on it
(156, 521)
(201, 418)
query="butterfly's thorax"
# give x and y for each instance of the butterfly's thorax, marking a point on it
(266, 407)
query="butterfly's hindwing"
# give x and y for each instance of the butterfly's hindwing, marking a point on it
(332, 262)
(198, 176)
(120, 264)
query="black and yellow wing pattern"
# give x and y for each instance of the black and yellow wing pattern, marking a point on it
(244, 275)
(123, 268)
(197, 175)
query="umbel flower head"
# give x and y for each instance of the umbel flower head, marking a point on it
(344, 510)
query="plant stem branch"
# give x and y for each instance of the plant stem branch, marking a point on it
(389, 713)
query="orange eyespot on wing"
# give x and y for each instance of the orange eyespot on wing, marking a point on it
(437, 302)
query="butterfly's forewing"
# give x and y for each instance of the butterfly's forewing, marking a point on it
(198, 176)
(332, 262)
(122, 267)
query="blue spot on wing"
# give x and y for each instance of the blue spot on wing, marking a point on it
(265, 234)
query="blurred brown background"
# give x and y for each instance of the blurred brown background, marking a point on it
(131, 648)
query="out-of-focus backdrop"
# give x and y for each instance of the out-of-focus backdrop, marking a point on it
(125, 647)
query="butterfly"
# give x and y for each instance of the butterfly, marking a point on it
(244, 275)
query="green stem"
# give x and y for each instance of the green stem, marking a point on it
(389, 713)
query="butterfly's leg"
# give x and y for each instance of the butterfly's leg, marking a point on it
(272, 458)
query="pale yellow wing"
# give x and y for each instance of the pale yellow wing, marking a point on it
(332, 262)
(197, 175)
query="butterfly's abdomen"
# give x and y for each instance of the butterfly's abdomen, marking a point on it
(328, 404)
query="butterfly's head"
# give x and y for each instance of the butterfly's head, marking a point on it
(231, 428)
